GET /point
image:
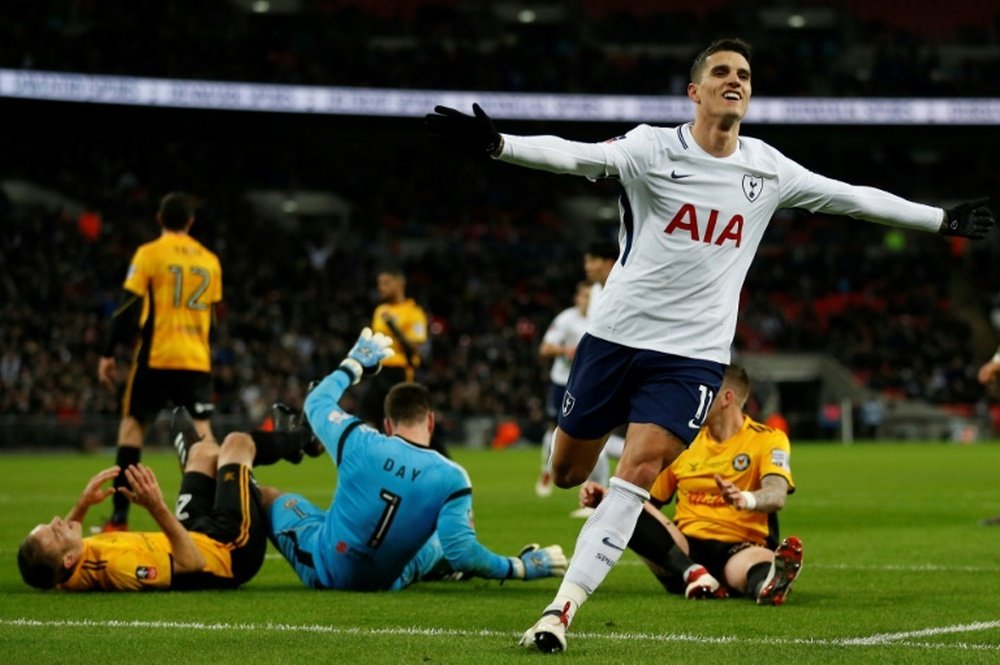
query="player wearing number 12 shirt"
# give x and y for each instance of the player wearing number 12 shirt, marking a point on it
(170, 291)
(401, 511)
(695, 202)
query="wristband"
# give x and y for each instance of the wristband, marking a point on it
(517, 571)
(353, 368)
(750, 499)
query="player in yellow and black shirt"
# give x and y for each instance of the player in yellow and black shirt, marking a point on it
(167, 309)
(217, 539)
(729, 484)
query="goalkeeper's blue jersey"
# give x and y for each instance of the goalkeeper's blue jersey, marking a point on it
(391, 496)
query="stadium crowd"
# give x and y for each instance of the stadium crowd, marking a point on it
(861, 47)
(491, 261)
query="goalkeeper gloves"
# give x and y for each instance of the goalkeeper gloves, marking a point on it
(367, 354)
(535, 562)
(971, 219)
(468, 133)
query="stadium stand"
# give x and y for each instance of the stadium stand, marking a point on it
(491, 260)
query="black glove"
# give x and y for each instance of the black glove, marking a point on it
(969, 220)
(461, 131)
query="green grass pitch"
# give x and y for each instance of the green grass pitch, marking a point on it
(897, 570)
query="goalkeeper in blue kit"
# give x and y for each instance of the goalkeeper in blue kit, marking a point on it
(401, 512)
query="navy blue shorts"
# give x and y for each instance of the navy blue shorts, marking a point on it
(554, 403)
(610, 385)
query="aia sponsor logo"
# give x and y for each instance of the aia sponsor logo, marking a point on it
(709, 228)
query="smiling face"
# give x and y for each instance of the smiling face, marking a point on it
(721, 87)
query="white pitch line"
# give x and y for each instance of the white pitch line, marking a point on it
(885, 638)
(894, 639)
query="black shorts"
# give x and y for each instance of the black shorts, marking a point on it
(149, 391)
(712, 554)
(228, 510)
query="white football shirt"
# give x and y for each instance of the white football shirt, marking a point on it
(596, 289)
(565, 330)
(690, 227)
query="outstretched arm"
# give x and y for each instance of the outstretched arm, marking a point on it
(146, 492)
(802, 188)
(476, 134)
(466, 554)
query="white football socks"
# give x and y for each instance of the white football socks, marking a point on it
(600, 545)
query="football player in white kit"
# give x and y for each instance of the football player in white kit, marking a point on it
(696, 201)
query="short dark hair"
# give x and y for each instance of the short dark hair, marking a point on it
(605, 249)
(176, 208)
(407, 403)
(393, 269)
(38, 568)
(734, 44)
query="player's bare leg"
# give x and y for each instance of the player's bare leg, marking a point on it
(573, 459)
(740, 564)
(204, 429)
(602, 540)
(237, 448)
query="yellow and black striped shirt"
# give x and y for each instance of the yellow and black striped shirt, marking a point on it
(136, 560)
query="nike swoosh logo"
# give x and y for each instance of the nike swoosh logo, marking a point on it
(607, 541)
(693, 425)
(677, 176)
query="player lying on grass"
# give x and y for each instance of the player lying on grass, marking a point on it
(730, 485)
(216, 540)
(401, 511)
